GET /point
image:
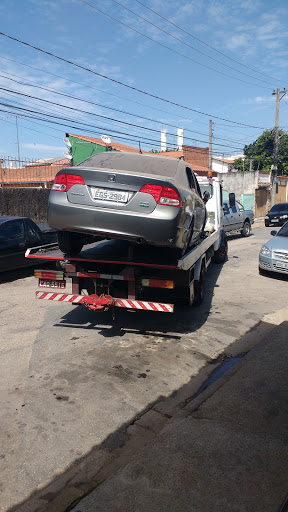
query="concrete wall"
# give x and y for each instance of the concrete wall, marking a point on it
(24, 202)
(240, 182)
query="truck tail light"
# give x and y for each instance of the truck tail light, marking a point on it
(63, 182)
(47, 274)
(163, 195)
(157, 283)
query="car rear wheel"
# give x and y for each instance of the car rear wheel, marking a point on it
(69, 243)
(246, 228)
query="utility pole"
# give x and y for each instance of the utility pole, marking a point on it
(210, 145)
(274, 166)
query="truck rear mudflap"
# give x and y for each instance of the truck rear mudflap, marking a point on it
(104, 302)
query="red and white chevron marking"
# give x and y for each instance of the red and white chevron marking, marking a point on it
(120, 303)
(148, 306)
(62, 297)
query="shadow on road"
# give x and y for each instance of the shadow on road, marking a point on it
(184, 320)
(104, 460)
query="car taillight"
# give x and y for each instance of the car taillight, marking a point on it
(163, 195)
(63, 182)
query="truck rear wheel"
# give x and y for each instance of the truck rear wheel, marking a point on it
(69, 243)
(199, 288)
(246, 228)
(221, 254)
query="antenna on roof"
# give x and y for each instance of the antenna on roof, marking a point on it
(140, 150)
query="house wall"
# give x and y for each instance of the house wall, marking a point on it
(240, 182)
(31, 175)
(220, 166)
(196, 156)
(82, 149)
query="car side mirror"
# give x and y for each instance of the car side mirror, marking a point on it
(273, 232)
(206, 196)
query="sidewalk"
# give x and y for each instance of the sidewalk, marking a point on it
(258, 223)
(226, 451)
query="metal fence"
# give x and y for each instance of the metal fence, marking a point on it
(29, 173)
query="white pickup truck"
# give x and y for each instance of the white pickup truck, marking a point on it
(235, 218)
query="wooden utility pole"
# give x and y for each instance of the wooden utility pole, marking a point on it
(210, 144)
(274, 166)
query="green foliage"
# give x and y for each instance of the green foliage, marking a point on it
(241, 165)
(261, 153)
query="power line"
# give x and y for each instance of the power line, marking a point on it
(123, 84)
(11, 91)
(119, 97)
(206, 44)
(97, 115)
(27, 113)
(31, 84)
(168, 47)
(184, 42)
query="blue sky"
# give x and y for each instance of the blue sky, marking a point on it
(219, 60)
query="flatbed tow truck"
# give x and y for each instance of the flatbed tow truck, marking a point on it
(116, 273)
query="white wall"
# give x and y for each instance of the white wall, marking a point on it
(219, 165)
(240, 182)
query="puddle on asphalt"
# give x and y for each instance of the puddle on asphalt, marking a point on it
(218, 372)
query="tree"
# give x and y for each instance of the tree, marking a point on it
(261, 153)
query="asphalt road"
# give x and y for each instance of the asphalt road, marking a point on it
(72, 380)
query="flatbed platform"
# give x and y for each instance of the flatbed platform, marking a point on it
(124, 253)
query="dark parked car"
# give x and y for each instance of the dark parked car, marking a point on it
(273, 255)
(16, 235)
(278, 215)
(146, 199)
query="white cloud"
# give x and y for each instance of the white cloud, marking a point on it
(257, 100)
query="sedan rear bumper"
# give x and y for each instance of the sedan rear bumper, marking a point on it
(161, 227)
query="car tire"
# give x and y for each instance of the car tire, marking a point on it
(267, 224)
(69, 243)
(263, 272)
(189, 238)
(222, 252)
(246, 229)
(199, 287)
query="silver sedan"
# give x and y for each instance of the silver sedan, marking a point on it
(273, 254)
(143, 198)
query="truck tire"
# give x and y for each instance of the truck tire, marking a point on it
(199, 287)
(69, 243)
(222, 252)
(246, 228)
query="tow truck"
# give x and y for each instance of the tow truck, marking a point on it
(117, 274)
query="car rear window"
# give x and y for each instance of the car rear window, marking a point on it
(142, 164)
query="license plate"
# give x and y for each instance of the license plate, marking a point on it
(274, 220)
(50, 283)
(110, 195)
(281, 264)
